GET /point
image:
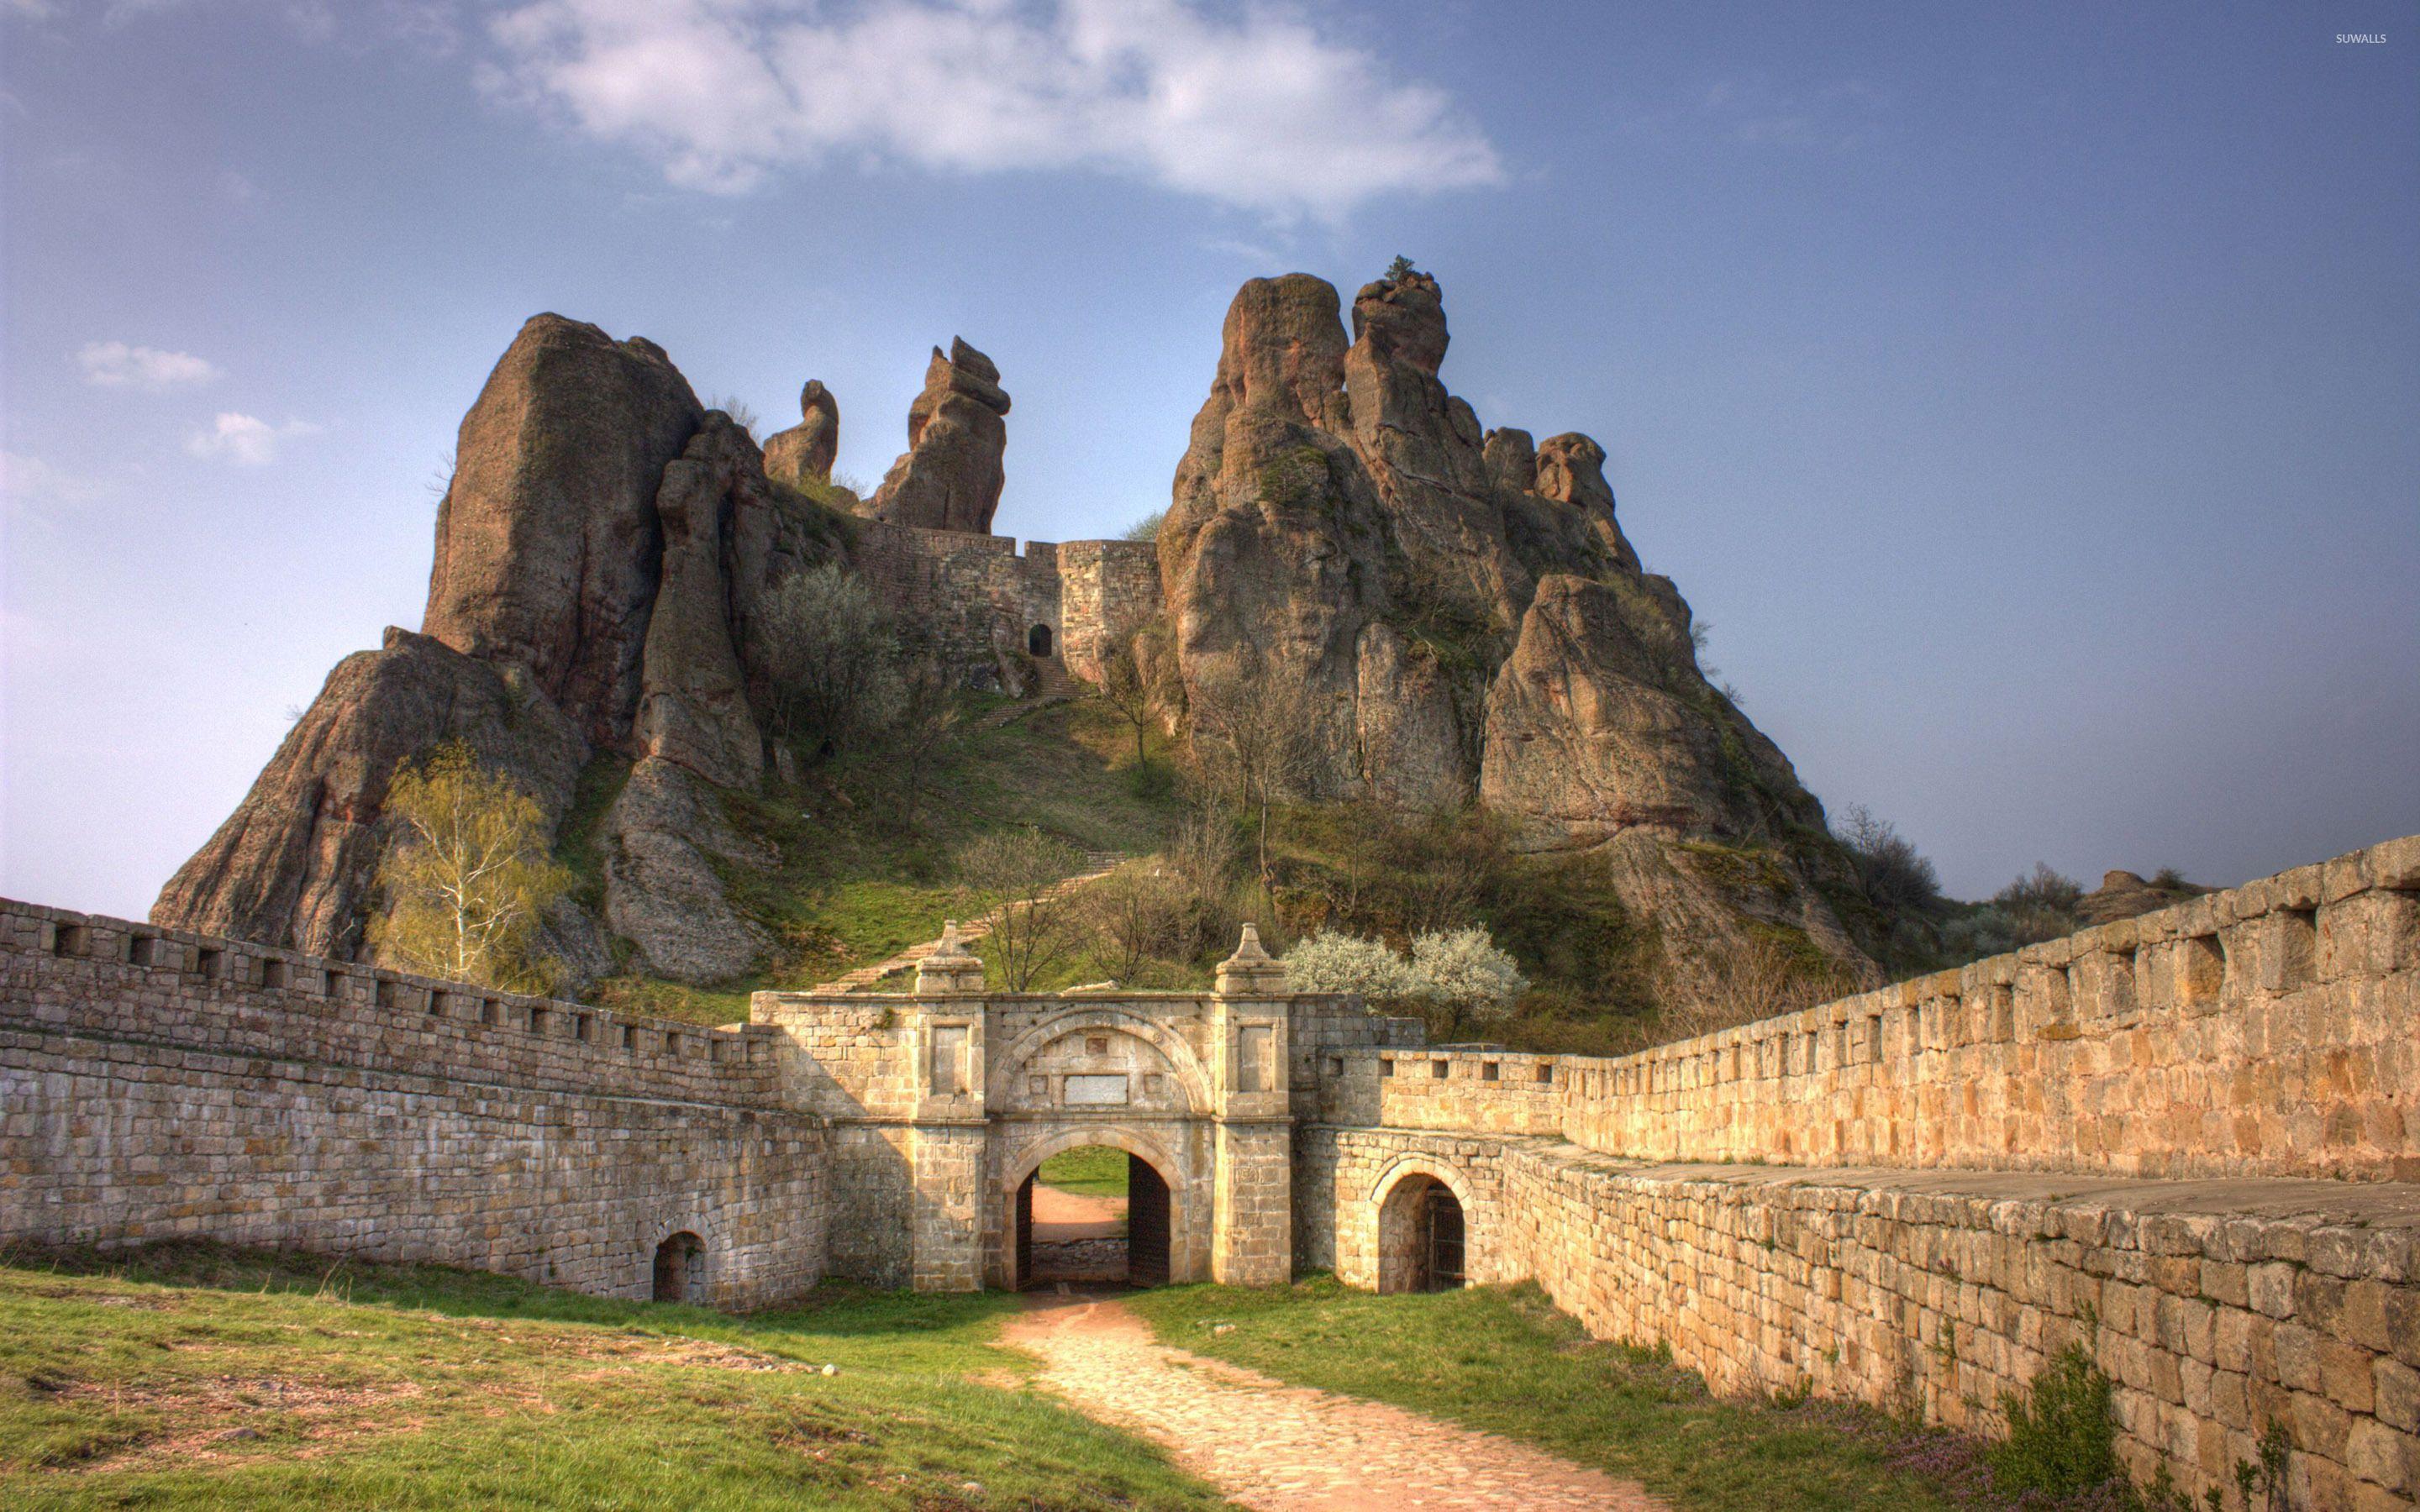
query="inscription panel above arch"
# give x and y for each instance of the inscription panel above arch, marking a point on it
(1099, 1061)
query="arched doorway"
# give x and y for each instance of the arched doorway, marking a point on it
(1038, 640)
(1421, 1237)
(1092, 1215)
(680, 1269)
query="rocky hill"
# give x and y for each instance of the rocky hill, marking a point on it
(601, 550)
(1463, 622)
(1454, 611)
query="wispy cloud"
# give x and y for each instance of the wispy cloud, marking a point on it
(1754, 112)
(1258, 110)
(244, 440)
(114, 364)
(31, 486)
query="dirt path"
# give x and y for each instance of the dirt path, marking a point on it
(1283, 1448)
(1064, 1215)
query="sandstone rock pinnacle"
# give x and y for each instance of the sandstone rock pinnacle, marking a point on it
(1456, 616)
(545, 536)
(949, 477)
(806, 451)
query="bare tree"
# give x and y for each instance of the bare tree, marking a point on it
(1128, 692)
(1254, 736)
(833, 658)
(1133, 916)
(1757, 979)
(1016, 871)
(928, 714)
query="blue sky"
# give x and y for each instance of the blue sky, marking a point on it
(2029, 396)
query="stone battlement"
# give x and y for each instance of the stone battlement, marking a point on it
(2266, 1030)
(2188, 1142)
(981, 600)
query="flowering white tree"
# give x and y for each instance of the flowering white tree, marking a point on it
(1460, 973)
(1331, 963)
(1464, 972)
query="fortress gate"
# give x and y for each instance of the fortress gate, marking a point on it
(944, 1102)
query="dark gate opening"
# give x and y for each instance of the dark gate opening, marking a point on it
(680, 1276)
(1038, 640)
(1093, 1216)
(1146, 1224)
(1440, 1254)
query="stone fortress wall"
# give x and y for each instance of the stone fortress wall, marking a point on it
(160, 1085)
(980, 598)
(2187, 1141)
(2190, 1142)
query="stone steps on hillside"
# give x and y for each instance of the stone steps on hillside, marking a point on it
(1097, 864)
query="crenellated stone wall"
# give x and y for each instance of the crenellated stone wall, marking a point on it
(2189, 1143)
(159, 1085)
(2272, 1029)
(980, 600)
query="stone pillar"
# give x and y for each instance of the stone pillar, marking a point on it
(1252, 1209)
(952, 1129)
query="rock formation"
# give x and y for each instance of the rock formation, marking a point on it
(1462, 617)
(547, 539)
(805, 452)
(600, 553)
(2125, 895)
(949, 477)
(295, 864)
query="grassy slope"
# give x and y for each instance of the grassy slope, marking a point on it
(1092, 1171)
(860, 880)
(199, 1377)
(1504, 1360)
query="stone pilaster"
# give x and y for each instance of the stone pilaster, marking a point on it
(1253, 1224)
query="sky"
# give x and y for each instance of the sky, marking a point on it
(2028, 396)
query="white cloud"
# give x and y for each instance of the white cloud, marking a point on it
(29, 483)
(1259, 111)
(114, 364)
(246, 440)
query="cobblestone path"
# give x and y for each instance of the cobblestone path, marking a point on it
(1283, 1448)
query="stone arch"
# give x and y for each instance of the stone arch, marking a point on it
(1190, 1075)
(1021, 1167)
(680, 1267)
(1395, 1218)
(1038, 640)
(700, 1263)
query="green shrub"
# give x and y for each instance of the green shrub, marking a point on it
(2062, 1435)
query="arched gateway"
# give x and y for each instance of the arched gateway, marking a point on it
(945, 1102)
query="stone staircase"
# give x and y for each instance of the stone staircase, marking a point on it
(1097, 864)
(1053, 685)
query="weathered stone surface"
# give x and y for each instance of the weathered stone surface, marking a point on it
(1913, 1197)
(294, 865)
(2125, 895)
(805, 452)
(1340, 521)
(694, 706)
(949, 477)
(662, 893)
(548, 546)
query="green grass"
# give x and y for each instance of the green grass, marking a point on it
(196, 1377)
(1505, 1361)
(1093, 1171)
(857, 880)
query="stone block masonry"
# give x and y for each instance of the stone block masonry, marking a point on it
(2189, 1142)
(2272, 1029)
(158, 1085)
(980, 600)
